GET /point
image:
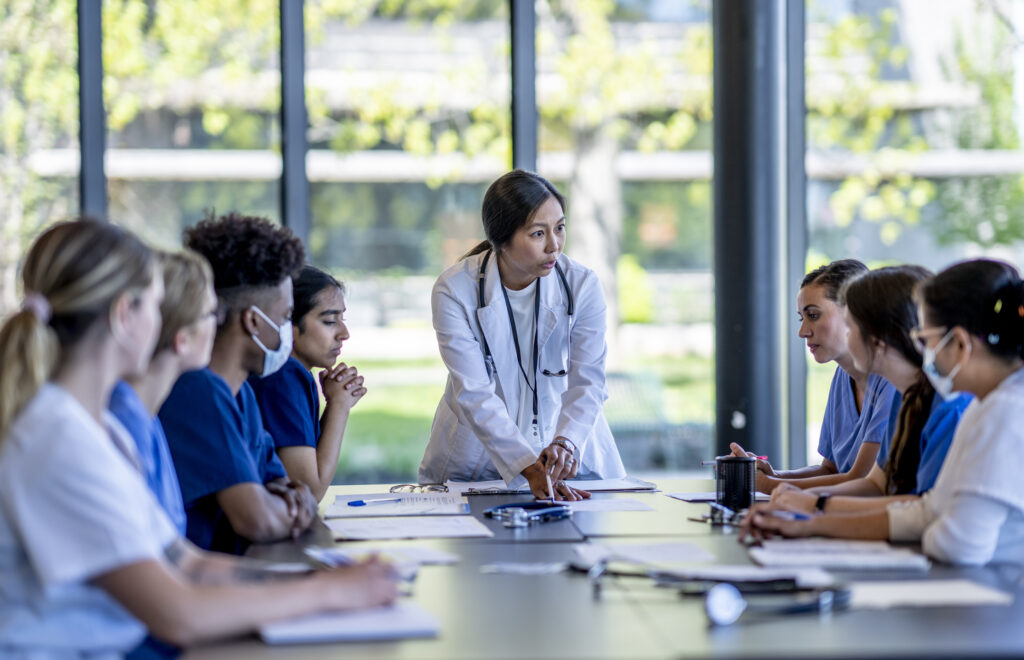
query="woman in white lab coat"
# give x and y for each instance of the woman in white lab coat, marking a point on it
(521, 328)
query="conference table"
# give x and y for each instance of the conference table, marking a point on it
(562, 615)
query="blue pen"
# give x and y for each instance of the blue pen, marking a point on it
(365, 502)
(790, 515)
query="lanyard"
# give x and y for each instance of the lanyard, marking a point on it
(515, 339)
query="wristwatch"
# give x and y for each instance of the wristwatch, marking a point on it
(822, 502)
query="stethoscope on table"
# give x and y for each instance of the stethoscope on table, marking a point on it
(489, 360)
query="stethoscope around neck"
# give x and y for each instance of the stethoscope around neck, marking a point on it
(570, 308)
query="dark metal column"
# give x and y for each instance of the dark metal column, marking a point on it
(524, 93)
(92, 132)
(294, 183)
(796, 228)
(749, 189)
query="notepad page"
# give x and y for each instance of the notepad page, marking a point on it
(410, 527)
(400, 621)
(410, 504)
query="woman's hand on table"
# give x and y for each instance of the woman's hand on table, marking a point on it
(761, 523)
(788, 497)
(372, 583)
(537, 477)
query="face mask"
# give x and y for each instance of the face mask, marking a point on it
(274, 360)
(943, 384)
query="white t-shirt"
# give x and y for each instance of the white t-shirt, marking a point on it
(523, 311)
(975, 512)
(72, 507)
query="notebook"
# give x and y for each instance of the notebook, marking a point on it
(400, 621)
(837, 554)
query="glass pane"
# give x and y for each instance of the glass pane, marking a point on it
(624, 91)
(914, 125)
(409, 122)
(192, 91)
(39, 154)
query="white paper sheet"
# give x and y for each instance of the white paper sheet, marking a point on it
(340, 555)
(401, 621)
(711, 496)
(525, 568)
(924, 593)
(804, 577)
(608, 504)
(411, 527)
(642, 553)
(838, 554)
(411, 504)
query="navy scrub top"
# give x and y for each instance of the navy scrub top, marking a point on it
(217, 440)
(289, 403)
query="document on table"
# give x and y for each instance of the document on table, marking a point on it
(642, 553)
(607, 504)
(412, 527)
(400, 621)
(838, 554)
(408, 504)
(805, 578)
(711, 496)
(924, 593)
(498, 487)
(341, 556)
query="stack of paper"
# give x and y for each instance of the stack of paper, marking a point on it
(838, 554)
(498, 487)
(924, 593)
(401, 621)
(805, 578)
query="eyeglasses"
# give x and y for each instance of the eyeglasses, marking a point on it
(419, 488)
(920, 336)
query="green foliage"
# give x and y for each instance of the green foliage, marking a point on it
(988, 210)
(636, 296)
(850, 107)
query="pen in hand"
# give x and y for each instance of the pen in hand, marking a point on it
(789, 515)
(551, 491)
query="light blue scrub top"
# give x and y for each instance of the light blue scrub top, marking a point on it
(843, 429)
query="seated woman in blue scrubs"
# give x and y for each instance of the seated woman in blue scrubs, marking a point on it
(235, 489)
(970, 333)
(307, 443)
(90, 560)
(881, 312)
(189, 313)
(858, 405)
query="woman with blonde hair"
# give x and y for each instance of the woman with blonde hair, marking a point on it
(90, 559)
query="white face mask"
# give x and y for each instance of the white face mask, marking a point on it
(274, 360)
(943, 384)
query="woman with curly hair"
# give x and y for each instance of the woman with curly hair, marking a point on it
(235, 489)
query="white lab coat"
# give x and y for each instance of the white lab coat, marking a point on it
(474, 435)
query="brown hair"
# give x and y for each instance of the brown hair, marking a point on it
(882, 305)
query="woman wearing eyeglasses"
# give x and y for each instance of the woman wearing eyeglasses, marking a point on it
(521, 327)
(971, 332)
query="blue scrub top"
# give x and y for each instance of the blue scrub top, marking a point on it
(217, 440)
(843, 429)
(936, 437)
(154, 454)
(290, 405)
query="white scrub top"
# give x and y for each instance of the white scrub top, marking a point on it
(72, 507)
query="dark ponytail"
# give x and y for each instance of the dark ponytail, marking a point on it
(983, 296)
(509, 203)
(882, 305)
